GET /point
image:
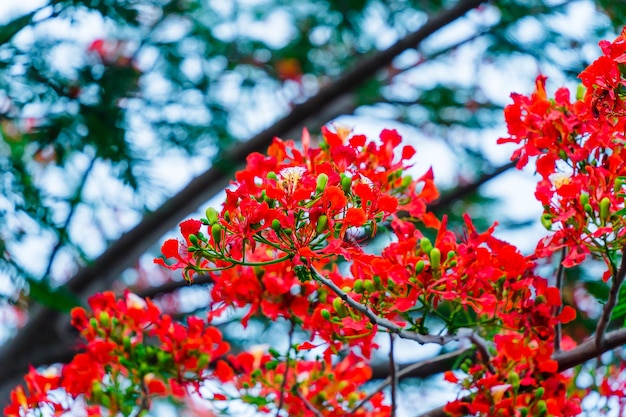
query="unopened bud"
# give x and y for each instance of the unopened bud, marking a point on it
(193, 239)
(203, 361)
(426, 245)
(211, 215)
(105, 319)
(546, 221)
(435, 258)
(605, 205)
(406, 181)
(271, 175)
(216, 232)
(419, 267)
(542, 408)
(322, 180)
(276, 225)
(322, 224)
(539, 392)
(368, 284)
(346, 183)
(339, 307)
(358, 286)
(514, 380)
(325, 314)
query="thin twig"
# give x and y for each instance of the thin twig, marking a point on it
(380, 321)
(559, 284)
(411, 369)
(393, 369)
(74, 202)
(610, 303)
(308, 405)
(283, 386)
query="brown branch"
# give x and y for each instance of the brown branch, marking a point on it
(568, 359)
(618, 278)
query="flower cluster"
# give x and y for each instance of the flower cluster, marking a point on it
(580, 156)
(132, 352)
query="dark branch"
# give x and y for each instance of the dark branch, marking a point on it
(618, 278)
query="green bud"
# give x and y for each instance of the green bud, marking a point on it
(212, 215)
(339, 307)
(163, 357)
(514, 380)
(93, 323)
(453, 263)
(539, 392)
(419, 267)
(406, 181)
(227, 216)
(377, 281)
(358, 286)
(126, 343)
(546, 221)
(605, 205)
(368, 284)
(346, 183)
(271, 365)
(588, 208)
(426, 245)
(216, 232)
(450, 255)
(322, 224)
(584, 199)
(276, 225)
(523, 411)
(346, 288)
(542, 408)
(193, 239)
(563, 154)
(203, 361)
(322, 180)
(325, 314)
(271, 175)
(435, 258)
(105, 319)
(580, 92)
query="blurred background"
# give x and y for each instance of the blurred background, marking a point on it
(120, 118)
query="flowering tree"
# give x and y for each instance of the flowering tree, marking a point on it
(289, 243)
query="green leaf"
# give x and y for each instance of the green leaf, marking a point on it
(59, 299)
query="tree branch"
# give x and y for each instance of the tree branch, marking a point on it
(121, 255)
(618, 278)
(568, 359)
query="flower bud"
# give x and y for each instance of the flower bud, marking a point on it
(203, 361)
(339, 307)
(546, 221)
(368, 284)
(276, 225)
(435, 258)
(322, 180)
(271, 365)
(584, 199)
(216, 232)
(211, 215)
(406, 181)
(514, 380)
(563, 154)
(193, 239)
(358, 286)
(105, 319)
(542, 408)
(426, 245)
(325, 314)
(605, 205)
(539, 392)
(322, 224)
(346, 183)
(419, 267)
(271, 175)
(588, 208)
